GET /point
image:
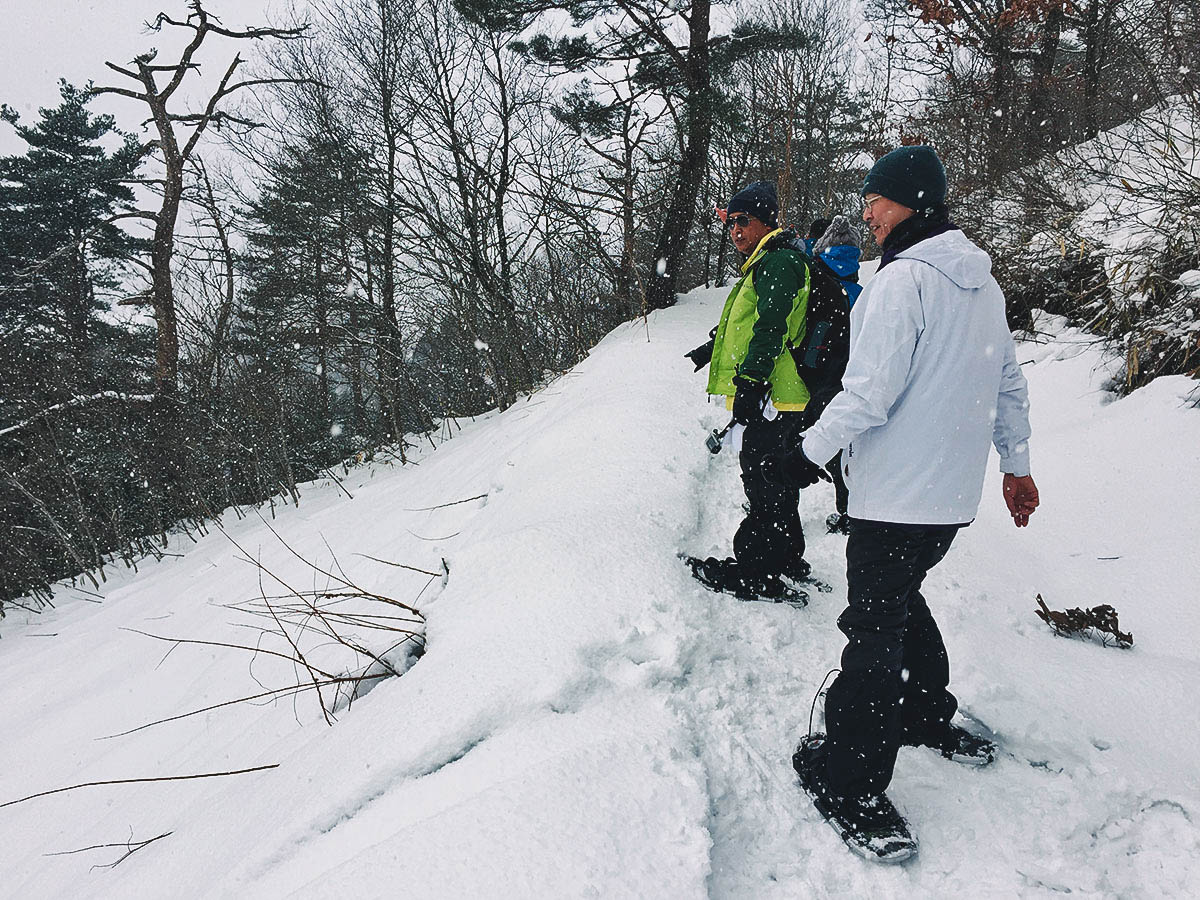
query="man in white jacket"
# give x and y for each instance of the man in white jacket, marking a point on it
(932, 381)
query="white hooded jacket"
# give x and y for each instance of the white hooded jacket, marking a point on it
(932, 380)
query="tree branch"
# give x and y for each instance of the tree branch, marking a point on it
(132, 95)
(77, 401)
(76, 787)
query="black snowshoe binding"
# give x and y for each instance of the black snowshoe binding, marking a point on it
(799, 572)
(961, 746)
(837, 523)
(726, 577)
(871, 826)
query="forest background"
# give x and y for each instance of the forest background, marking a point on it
(315, 238)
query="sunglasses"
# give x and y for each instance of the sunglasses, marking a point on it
(739, 221)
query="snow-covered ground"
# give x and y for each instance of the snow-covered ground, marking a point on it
(587, 721)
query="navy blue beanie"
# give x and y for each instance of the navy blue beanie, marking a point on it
(759, 200)
(911, 176)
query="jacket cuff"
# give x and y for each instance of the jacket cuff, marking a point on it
(816, 448)
(1016, 463)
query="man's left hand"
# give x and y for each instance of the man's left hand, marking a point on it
(793, 469)
(1021, 497)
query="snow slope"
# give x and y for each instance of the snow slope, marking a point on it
(587, 721)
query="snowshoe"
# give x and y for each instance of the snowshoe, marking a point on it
(725, 577)
(870, 826)
(837, 523)
(962, 746)
(799, 573)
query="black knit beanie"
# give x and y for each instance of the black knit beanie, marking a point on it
(911, 176)
(759, 200)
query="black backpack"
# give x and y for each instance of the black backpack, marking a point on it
(822, 353)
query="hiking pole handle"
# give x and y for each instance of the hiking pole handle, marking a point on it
(716, 438)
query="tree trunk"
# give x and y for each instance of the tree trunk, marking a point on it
(162, 252)
(672, 242)
(1043, 71)
(321, 314)
(1095, 34)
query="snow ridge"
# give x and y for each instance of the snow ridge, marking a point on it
(587, 721)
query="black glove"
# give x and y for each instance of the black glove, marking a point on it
(792, 469)
(749, 400)
(702, 355)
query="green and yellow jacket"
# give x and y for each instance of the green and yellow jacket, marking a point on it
(762, 318)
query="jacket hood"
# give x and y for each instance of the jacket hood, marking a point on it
(843, 259)
(953, 254)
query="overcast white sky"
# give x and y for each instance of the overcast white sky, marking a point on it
(44, 40)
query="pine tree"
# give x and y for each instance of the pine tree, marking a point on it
(672, 51)
(61, 248)
(294, 330)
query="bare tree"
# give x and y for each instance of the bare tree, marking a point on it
(179, 135)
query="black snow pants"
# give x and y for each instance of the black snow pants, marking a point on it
(892, 689)
(770, 540)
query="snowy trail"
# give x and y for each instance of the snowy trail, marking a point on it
(588, 721)
(1097, 791)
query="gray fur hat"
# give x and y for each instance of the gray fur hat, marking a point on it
(840, 231)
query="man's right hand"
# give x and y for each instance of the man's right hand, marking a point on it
(749, 400)
(702, 355)
(1021, 497)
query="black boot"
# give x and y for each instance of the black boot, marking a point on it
(870, 825)
(798, 569)
(961, 746)
(728, 577)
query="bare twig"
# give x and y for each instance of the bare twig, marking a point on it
(388, 562)
(444, 505)
(275, 692)
(76, 787)
(177, 641)
(131, 847)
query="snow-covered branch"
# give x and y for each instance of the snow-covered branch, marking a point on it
(76, 402)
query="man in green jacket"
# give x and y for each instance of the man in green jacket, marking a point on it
(751, 364)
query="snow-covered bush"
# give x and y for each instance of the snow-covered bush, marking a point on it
(1107, 234)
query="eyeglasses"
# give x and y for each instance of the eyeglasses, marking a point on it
(739, 221)
(868, 201)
